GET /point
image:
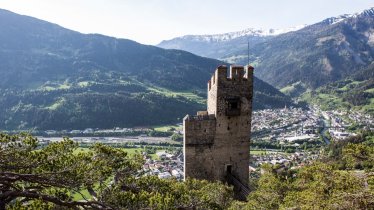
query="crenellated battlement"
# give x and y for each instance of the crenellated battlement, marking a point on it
(236, 73)
(199, 117)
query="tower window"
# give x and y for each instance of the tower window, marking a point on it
(233, 107)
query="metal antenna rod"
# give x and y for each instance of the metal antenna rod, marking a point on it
(248, 51)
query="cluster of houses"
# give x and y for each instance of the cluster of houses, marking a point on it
(365, 120)
(340, 122)
(294, 160)
(286, 126)
(169, 165)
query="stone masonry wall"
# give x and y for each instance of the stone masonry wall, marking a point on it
(221, 141)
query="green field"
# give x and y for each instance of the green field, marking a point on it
(130, 151)
(295, 89)
(190, 95)
(257, 152)
(165, 128)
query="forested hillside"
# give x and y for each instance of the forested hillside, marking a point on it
(56, 78)
(356, 92)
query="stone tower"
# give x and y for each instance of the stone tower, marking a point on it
(216, 141)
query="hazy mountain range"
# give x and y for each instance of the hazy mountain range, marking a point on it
(55, 78)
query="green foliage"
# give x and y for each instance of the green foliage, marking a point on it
(358, 156)
(270, 191)
(52, 176)
(108, 103)
(336, 181)
(317, 186)
(150, 150)
(81, 108)
(155, 193)
(356, 152)
(54, 173)
(320, 187)
(177, 137)
(290, 150)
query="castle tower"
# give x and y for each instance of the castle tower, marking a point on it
(216, 141)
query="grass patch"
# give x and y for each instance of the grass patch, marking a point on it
(165, 128)
(170, 93)
(327, 101)
(369, 90)
(295, 89)
(83, 84)
(258, 152)
(286, 90)
(64, 86)
(54, 86)
(369, 108)
(48, 88)
(57, 104)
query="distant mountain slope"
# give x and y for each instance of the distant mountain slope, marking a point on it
(35, 50)
(317, 54)
(354, 92)
(310, 57)
(55, 78)
(220, 45)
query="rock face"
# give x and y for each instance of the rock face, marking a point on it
(216, 141)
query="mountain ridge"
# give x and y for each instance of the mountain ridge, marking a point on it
(55, 78)
(314, 55)
(236, 34)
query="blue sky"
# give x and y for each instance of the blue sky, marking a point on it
(150, 21)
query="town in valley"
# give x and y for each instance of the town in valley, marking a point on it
(289, 137)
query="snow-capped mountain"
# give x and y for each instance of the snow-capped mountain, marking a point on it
(334, 20)
(244, 33)
(218, 45)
